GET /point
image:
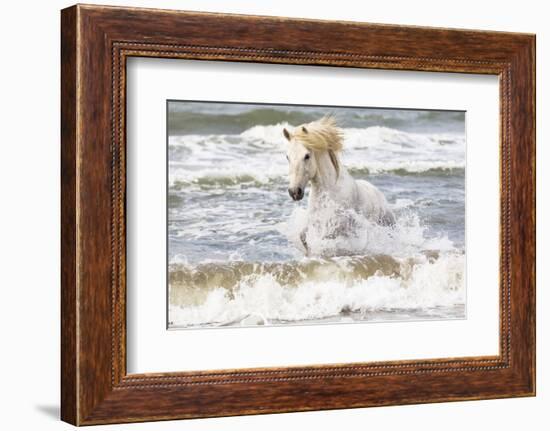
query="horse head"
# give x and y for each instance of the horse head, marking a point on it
(305, 143)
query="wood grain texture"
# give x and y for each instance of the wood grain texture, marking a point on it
(96, 41)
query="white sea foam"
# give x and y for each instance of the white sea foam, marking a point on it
(205, 159)
(263, 300)
(270, 135)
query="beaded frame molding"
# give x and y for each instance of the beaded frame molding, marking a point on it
(95, 43)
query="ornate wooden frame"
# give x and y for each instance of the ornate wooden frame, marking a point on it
(95, 43)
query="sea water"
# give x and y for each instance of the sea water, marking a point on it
(234, 252)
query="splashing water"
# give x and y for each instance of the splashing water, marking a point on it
(379, 270)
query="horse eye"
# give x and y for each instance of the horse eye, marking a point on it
(306, 157)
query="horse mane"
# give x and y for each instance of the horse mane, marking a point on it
(322, 135)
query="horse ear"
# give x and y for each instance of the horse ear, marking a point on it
(304, 129)
(287, 134)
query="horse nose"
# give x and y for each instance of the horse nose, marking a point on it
(291, 193)
(296, 194)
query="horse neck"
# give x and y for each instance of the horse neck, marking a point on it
(326, 179)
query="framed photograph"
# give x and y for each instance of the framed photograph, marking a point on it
(259, 216)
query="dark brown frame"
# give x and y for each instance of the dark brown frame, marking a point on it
(95, 43)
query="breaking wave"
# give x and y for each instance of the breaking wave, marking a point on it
(213, 160)
(262, 294)
(380, 269)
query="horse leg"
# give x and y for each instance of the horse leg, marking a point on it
(387, 219)
(304, 242)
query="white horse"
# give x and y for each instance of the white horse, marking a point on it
(313, 157)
